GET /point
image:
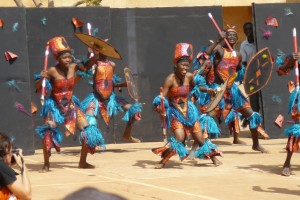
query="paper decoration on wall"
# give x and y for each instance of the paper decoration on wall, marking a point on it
(271, 21)
(15, 27)
(33, 108)
(44, 21)
(1, 23)
(267, 34)
(9, 56)
(95, 31)
(21, 108)
(77, 22)
(279, 121)
(291, 86)
(13, 85)
(288, 11)
(276, 99)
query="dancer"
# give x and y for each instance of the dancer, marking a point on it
(103, 99)
(181, 114)
(226, 64)
(293, 132)
(61, 107)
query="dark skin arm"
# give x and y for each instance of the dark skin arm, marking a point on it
(289, 64)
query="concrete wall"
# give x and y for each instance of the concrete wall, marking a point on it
(150, 3)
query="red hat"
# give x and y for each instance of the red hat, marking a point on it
(58, 45)
(183, 50)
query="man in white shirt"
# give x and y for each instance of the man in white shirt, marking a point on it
(248, 50)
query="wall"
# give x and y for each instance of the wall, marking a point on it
(150, 3)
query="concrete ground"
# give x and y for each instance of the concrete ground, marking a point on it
(128, 170)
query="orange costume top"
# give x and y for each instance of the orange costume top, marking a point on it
(178, 98)
(62, 90)
(227, 65)
(103, 79)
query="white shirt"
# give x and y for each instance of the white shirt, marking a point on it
(247, 50)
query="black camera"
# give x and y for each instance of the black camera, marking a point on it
(14, 151)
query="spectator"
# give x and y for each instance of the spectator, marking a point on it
(12, 185)
(248, 50)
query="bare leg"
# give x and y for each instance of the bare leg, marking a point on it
(286, 171)
(127, 134)
(247, 112)
(82, 162)
(180, 137)
(236, 139)
(192, 151)
(46, 166)
(256, 146)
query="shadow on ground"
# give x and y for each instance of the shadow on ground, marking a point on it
(277, 190)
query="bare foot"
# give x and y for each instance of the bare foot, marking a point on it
(286, 171)
(85, 165)
(238, 141)
(216, 161)
(159, 165)
(260, 148)
(45, 169)
(131, 139)
(191, 155)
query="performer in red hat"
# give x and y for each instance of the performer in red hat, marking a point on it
(293, 131)
(64, 108)
(103, 99)
(228, 66)
(181, 115)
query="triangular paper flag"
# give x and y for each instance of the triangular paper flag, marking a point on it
(271, 21)
(77, 22)
(9, 56)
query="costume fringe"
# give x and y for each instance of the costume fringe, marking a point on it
(255, 120)
(192, 115)
(50, 106)
(232, 115)
(179, 147)
(85, 74)
(92, 136)
(292, 130)
(205, 150)
(238, 100)
(48, 84)
(113, 107)
(211, 126)
(293, 98)
(55, 133)
(130, 113)
(199, 80)
(85, 103)
(240, 74)
(195, 92)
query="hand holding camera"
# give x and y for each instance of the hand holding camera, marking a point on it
(17, 158)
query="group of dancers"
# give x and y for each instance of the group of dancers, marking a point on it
(183, 102)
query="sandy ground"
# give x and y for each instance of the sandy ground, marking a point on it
(128, 170)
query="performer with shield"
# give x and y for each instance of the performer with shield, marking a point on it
(226, 65)
(181, 114)
(103, 100)
(62, 107)
(293, 131)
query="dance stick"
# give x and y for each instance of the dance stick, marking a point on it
(218, 28)
(163, 112)
(89, 27)
(296, 61)
(42, 99)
